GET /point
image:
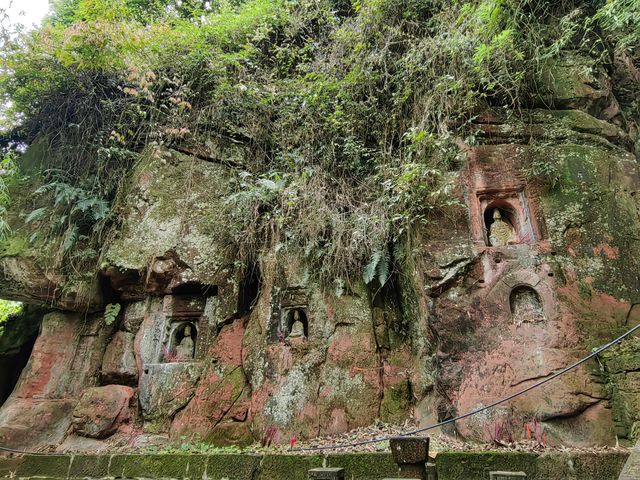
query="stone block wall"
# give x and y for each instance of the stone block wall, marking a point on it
(358, 466)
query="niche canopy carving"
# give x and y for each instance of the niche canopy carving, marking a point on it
(183, 325)
(498, 194)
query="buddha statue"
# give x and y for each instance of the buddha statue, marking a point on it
(500, 232)
(297, 329)
(184, 350)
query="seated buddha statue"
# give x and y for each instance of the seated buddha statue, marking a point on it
(184, 350)
(501, 233)
(297, 329)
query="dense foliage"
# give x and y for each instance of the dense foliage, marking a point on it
(343, 117)
(7, 309)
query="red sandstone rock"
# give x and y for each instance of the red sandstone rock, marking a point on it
(446, 343)
(119, 362)
(102, 410)
(165, 389)
(220, 405)
(65, 360)
(30, 424)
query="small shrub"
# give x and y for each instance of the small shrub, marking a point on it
(534, 430)
(343, 116)
(500, 432)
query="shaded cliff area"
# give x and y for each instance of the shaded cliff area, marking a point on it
(256, 219)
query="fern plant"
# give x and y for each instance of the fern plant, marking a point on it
(76, 214)
(8, 172)
(378, 268)
(111, 312)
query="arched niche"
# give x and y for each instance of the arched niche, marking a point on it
(526, 305)
(179, 348)
(514, 209)
(285, 301)
(292, 316)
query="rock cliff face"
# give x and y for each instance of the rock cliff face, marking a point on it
(230, 354)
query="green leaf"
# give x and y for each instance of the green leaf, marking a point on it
(37, 215)
(100, 210)
(45, 188)
(369, 272)
(70, 238)
(111, 312)
(383, 269)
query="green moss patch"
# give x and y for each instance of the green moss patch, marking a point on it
(285, 467)
(477, 465)
(366, 466)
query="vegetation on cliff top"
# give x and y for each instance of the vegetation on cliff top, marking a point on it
(7, 309)
(343, 118)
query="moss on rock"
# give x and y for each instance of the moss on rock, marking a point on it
(477, 465)
(172, 202)
(396, 402)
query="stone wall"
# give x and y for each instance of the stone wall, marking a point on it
(364, 466)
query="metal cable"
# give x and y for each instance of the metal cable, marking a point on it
(481, 409)
(435, 425)
(22, 452)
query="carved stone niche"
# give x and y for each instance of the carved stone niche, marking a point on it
(294, 323)
(526, 296)
(287, 306)
(523, 297)
(512, 209)
(526, 305)
(181, 341)
(187, 330)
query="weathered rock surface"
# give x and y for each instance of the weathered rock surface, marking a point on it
(102, 410)
(462, 323)
(119, 361)
(64, 362)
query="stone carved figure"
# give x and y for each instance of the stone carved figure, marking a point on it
(297, 329)
(500, 232)
(184, 350)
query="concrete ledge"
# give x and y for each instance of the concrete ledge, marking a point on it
(631, 469)
(360, 466)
